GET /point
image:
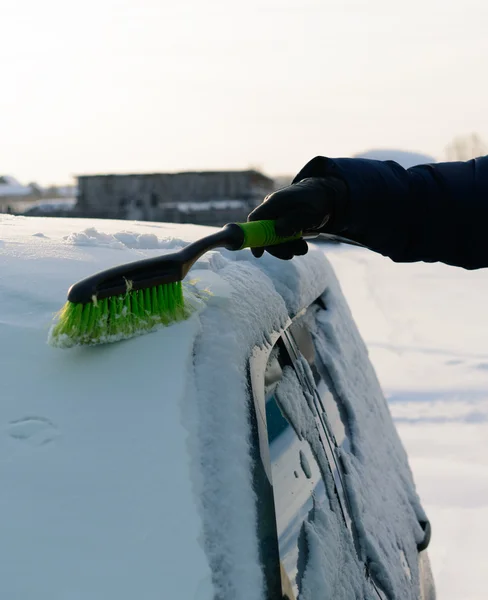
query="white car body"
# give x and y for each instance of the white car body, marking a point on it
(127, 469)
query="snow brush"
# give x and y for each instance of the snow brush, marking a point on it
(135, 298)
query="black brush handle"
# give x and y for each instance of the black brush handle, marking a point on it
(173, 267)
(148, 272)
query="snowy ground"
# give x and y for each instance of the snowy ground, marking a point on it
(426, 328)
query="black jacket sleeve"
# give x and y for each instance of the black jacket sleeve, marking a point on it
(428, 213)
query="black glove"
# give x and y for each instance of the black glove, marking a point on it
(307, 205)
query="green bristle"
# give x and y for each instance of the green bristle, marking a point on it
(164, 297)
(125, 320)
(168, 296)
(77, 317)
(96, 327)
(85, 319)
(147, 301)
(137, 305)
(161, 304)
(112, 321)
(119, 317)
(180, 302)
(142, 311)
(93, 317)
(154, 304)
(103, 318)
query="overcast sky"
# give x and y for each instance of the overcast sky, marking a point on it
(150, 85)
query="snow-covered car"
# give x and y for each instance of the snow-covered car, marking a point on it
(245, 453)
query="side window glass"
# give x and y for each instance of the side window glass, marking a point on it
(296, 476)
(304, 335)
(318, 554)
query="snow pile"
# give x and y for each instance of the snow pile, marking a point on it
(121, 240)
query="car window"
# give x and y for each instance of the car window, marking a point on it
(302, 337)
(303, 522)
(296, 475)
(305, 338)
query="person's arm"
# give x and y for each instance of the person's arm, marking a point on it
(428, 213)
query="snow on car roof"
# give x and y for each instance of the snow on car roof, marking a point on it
(97, 495)
(102, 489)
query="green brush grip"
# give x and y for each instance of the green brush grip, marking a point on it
(258, 234)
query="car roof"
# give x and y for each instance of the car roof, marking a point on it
(95, 459)
(98, 476)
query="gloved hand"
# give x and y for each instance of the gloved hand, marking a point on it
(307, 205)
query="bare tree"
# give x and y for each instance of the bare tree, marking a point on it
(465, 147)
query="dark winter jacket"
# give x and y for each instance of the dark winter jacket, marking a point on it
(428, 213)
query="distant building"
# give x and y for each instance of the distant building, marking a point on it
(207, 198)
(10, 187)
(12, 192)
(32, 199)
